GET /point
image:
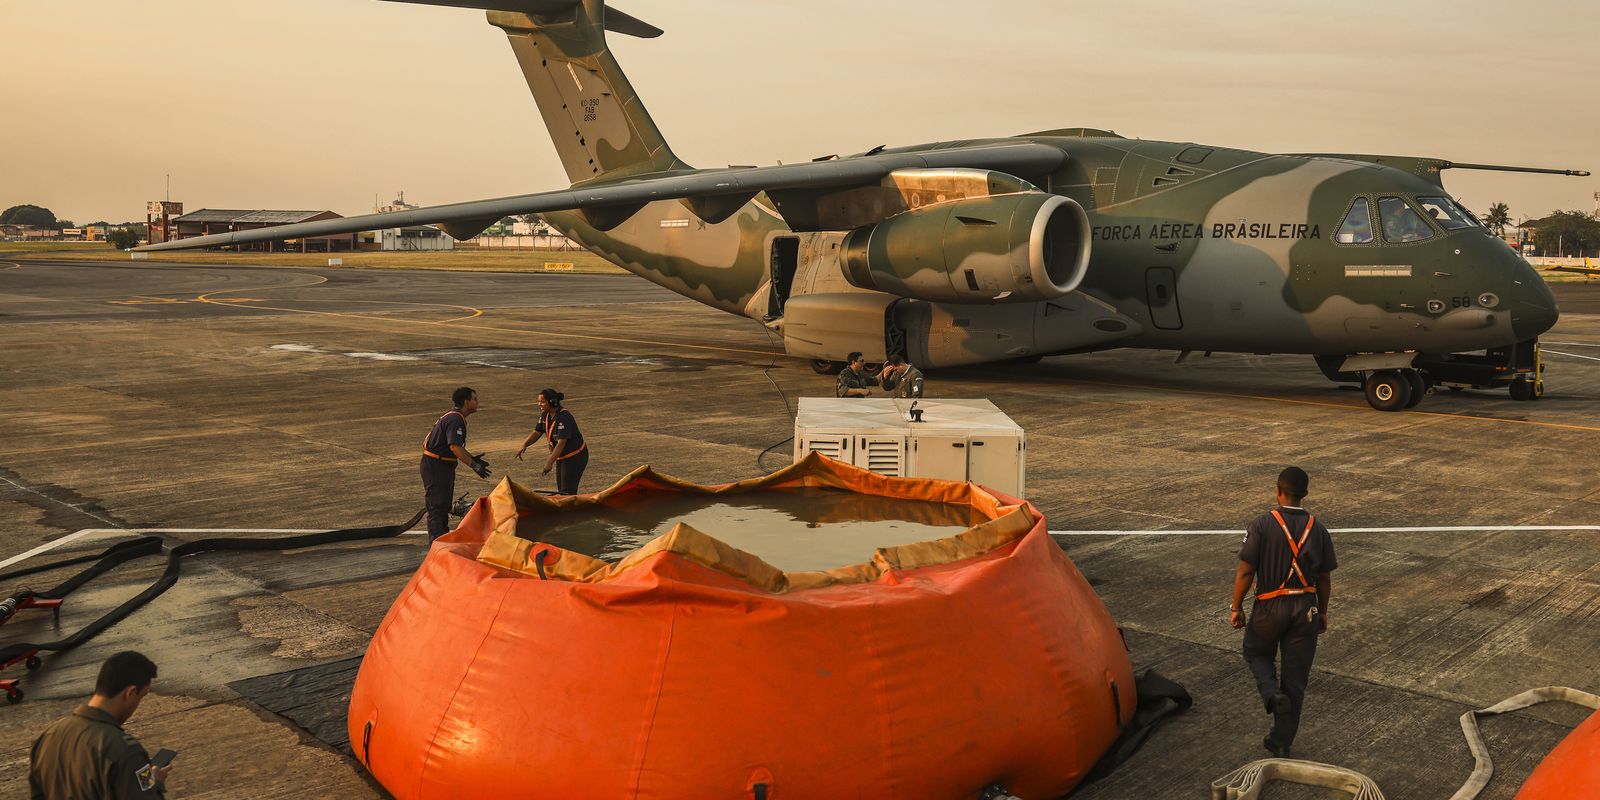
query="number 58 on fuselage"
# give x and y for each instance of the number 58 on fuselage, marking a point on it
(988, 250)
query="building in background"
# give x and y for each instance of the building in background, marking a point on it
(208, 221)
(414, 237)
(534, 234)
(158, 216)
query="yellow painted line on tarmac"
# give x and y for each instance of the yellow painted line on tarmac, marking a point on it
(321, 279)
(145, 300)
(1348, 407)
(526, 331)
(5, 265)
(476, 312)
(455, 323)
(206, 298)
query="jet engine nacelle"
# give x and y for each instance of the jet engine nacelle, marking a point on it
(1013, 248)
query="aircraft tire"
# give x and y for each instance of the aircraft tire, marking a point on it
(1388, 390)
(1419, 386)
(1521, 390)
(822, 366)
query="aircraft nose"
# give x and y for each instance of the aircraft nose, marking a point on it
(1533, 306)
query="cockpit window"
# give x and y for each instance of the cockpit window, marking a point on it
(1471, 217)
(1445, 212)
(1400, 223)
(1357, 226)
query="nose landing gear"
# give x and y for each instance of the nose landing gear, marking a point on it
(1530, 386)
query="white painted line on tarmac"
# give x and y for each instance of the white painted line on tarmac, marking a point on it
(1423, 529)
(48, 546)
(286, 531)
(76, 535)
(78, 508)
(1569, 355)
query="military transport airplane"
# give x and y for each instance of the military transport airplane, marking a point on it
(1062, 241)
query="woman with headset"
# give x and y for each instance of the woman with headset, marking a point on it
(569, 455)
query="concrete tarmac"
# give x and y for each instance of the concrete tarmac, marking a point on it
(160, 396)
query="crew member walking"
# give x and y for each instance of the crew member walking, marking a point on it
(1288, 554)
(569, 455)
(444, 447)
(88, 754)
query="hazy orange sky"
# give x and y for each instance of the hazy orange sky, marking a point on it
(313, 104)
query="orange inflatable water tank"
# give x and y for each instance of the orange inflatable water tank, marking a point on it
(508, 668)
(1572, 770)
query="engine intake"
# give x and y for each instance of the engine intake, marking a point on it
(1013, 248)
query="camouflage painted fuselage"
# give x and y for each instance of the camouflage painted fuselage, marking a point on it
(1226, 250)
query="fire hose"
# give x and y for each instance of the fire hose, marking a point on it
(150, 545)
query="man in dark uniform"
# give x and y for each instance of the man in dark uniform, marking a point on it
(900, 379)
(444, 447)
(1288, 555)
(88, 754)
(854, 380)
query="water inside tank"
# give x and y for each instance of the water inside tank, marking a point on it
(795, 530)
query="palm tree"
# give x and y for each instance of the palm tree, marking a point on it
(1498, 218)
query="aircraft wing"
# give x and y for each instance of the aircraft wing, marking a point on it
(713, 194)
(1588, 268)
(1429, 168)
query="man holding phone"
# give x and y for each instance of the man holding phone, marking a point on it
(88, 754)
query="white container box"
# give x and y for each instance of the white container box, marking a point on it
(962, 440)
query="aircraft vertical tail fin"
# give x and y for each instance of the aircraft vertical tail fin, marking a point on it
(599, 126)
(596, 121)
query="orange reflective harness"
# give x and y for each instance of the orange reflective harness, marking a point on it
(430, 453)
(550, 436)
(1294, 561)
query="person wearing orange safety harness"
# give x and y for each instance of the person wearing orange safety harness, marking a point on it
(1288, 555)
(444, 447)
(569, 454)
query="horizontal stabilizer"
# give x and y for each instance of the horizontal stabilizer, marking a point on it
(616, 21)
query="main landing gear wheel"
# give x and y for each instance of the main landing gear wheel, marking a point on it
(1419, 386)
(822, 366)
(33, 662)
(1523, 389)
(1388, 390)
